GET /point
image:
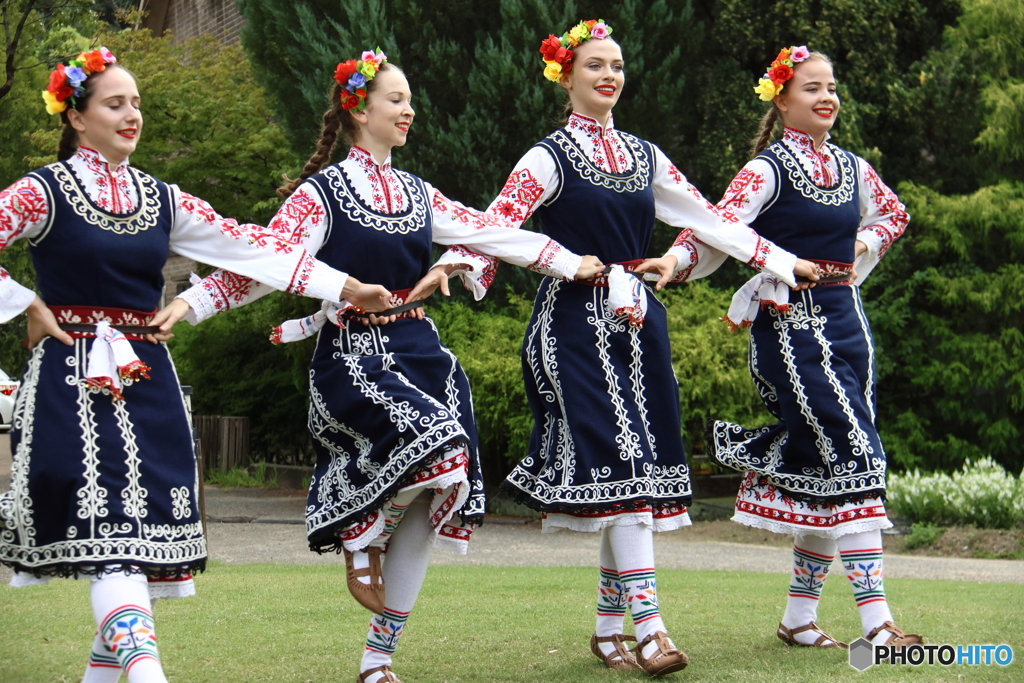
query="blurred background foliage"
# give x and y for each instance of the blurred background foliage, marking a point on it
(933, 97)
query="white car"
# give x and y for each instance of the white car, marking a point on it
(8, 391)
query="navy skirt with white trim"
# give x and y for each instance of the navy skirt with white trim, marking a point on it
(814, 369)
(605, 401)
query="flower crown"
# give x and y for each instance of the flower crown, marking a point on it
(353, 76)
(780, 71)
(558, 52)
(67, 82)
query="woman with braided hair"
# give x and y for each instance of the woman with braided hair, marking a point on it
(104, 483)
(606, 454)
(819, 472)
(397, 469)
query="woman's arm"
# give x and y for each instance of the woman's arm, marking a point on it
(883, 220)
(24, 213)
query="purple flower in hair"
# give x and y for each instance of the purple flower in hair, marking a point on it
(356, 80)
(75, 76)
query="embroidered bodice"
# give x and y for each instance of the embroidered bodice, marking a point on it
(123, 222)
(633, 183)
(807, 169)
(379, 223)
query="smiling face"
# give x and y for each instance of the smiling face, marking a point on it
(809, 102)
(385, 121)
(111, 122)
(596, 80)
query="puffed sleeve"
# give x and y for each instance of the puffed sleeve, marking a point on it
(678, 203)
(489, 234)
(883, 219)
(277, 257)
(24, 213)
(533, 181)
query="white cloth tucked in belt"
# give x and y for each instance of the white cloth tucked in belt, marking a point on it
(113, 359)
(303, 328)
(764, 289)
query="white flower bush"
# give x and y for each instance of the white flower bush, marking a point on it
(982, 494)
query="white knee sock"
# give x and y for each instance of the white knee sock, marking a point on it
(123, 612)
(861, 555)
(611, 596)
(812, 557)
(404, 568)
(393, 512)
(633, 547)
(103, 666)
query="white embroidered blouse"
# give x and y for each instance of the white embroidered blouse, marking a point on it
(197, 232)
(883, 217)
(535, 181)
(303, 219)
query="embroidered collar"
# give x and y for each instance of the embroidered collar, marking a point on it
(96, 162)
(590, 126)
(819, 158)
(366, 160)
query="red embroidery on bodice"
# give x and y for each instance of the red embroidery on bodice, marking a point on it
(112, 184)
(386, 193)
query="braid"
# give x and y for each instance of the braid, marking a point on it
(68, 142)
(764, 133)
(332, 122)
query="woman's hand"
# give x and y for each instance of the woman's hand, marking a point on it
(664, 266)
(370, 298)
(42, 323)
(806, 269)
(589, 267)
(166, 318)
(428, 284)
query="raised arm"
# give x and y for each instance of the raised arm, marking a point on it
(711, 233)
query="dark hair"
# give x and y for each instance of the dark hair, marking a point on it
(773, 116)
(336, 120)
(69, 136)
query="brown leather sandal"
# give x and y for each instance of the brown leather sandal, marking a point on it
(622, 658)
(824, 639)
(665, 661)
(371, 595)
(389, 675)
(898, 638)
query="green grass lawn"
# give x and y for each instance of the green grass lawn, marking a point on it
(293, 623)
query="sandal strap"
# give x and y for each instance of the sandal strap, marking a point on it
(664, 649)
(887, 626)
(616, 638)
(812, 626)
(389, 675)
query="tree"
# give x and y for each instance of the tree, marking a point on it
(947, 317)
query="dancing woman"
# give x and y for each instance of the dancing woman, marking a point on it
(104, 482)
(397, 469)
(819, 472)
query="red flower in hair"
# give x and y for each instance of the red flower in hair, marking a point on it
(344, 70)
(94, 61)
(348, 100)
(57, 80)
(780, 73)
(550, 47)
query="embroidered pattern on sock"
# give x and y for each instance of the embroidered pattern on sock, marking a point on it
(864, 570)
(104, 658)
(809, 573)
(385, 630)
(611, 595)
(128, 633)
(642, 590)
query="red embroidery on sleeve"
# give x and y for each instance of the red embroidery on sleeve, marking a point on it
(546, 257)
(226, 289)
(894, 214)
(760, 258)
(676, 175)
(490, 267)
(745, 184)
(21, 204)
(522, 191)
(291, 221)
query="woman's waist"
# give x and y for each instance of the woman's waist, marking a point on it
(80, 321)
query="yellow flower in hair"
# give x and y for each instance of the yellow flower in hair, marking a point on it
(53, 105)
(579, 32)
(767, 90)
(368, 69)
(552, 71)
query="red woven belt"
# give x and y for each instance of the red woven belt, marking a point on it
(80, 321)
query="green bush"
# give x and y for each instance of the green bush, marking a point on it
(922, 534)
(982, 494)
